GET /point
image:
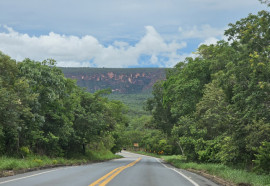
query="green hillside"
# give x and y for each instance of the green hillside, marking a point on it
(134, 102)
(132, 86)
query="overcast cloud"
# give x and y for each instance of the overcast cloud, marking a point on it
(115, 33)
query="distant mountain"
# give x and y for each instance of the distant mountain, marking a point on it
(120, 80)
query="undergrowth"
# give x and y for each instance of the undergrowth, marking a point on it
(33, 161)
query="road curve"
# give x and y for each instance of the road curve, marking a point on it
(133, 169)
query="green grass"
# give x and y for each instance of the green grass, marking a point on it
(147, 153)
(222, 171)
(34, 161)
(8, 163)
(102, 155)
(227, 173)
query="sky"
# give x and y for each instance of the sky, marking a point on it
(115, 33)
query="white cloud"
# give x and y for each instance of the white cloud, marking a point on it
(209, 41)
(88, 51)
(207, 34)
(203, 32)
(120, 44)
(214, 40)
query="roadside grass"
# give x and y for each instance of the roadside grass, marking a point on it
(35, 161)
(9, 163)
(146, 153)
(227, 173)
(236, 176)
(101, 155)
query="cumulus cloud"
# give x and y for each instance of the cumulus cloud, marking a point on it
(88, 51)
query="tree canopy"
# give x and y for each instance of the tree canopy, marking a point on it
(48, 114)
(216, 106)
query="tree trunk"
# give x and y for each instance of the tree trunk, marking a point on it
(180, 148)
(84, 151)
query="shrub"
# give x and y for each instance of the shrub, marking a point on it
(262, 161)
(24, 151)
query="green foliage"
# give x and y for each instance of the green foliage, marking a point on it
(215, 107)
(134, 102)
(231, 175)
(262, 161)
(183, 87)
(15, 100)
(229, 150)
(42, 112)
(139, 123)
(213, 112)
(32, 161)
(156, 142)
(25, 151)
(52, 107)
(162, 117)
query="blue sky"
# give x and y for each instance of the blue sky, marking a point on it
(115, 33)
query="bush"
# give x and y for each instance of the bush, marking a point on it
(262, 161)
(164, 147)
(24, 151)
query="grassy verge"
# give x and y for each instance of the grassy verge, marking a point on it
(8, 163)
(236, 176)
(146, 153)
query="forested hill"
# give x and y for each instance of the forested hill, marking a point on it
(120, 80)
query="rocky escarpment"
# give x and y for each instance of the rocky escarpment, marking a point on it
(119, 80)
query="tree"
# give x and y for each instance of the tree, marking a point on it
(15, 100)
(52, 127)
(213, 113)
(183, 88)
(161, 113)
(221, 97)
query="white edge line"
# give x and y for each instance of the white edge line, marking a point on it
(190, 180)
(29, 176)
(39, 174)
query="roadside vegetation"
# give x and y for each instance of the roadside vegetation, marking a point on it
(37, 161)
(234, 175)
(231, 174)
(47, 119)
(214, 109)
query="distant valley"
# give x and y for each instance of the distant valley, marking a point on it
(132, 86)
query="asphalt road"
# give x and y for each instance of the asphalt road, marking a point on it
(131, 170)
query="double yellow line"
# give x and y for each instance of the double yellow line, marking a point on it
(108, 177)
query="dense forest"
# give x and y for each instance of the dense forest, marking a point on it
(215, 107)
(44, 113)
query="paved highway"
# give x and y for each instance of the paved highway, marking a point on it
(133, 169)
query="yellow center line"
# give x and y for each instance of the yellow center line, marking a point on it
(108, 177)
(104, 177)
